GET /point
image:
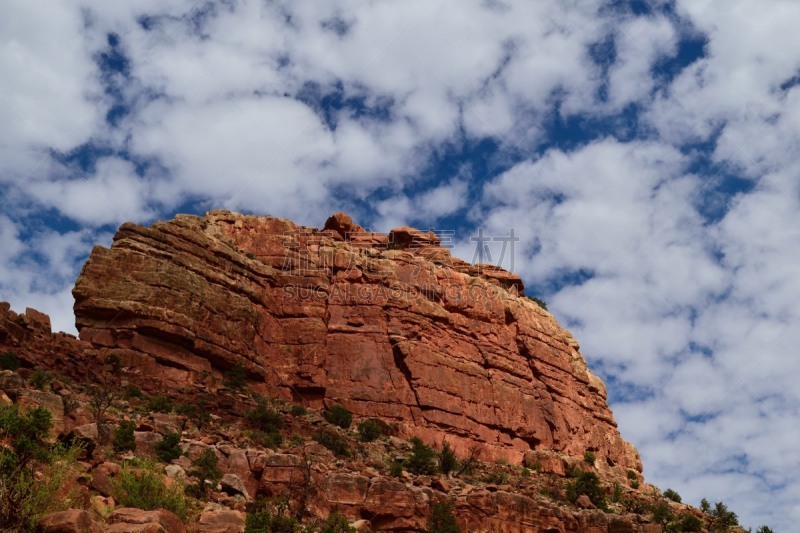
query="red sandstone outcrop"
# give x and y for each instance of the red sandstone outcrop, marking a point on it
(393, 327)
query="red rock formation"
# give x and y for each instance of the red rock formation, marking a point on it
(390, 326)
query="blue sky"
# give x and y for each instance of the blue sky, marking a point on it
(644, 152)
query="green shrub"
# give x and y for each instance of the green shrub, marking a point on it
(616, 494)
(123, 436)
(589, 457)
(764, 529)
(422, 459)
(235, 377)
(264, 418)
(333, 441)
(205, 470)
(338, 416)
(724, 519)
(672, 495)
(141, 485)
(298, 410)
(168, 448)
(396, 469)
(662, 514)
(589, 484)
(369, 430)
(40, 379)
(496, 477)
(447, 459)
(197, 413)
(9, 361)
(266, 522)
(632, 475)
(336, 523)
(442, 519)
(267, 439)
(688, 523)
(160, 404)
(705, 506)
(34, 475)
(537, 301)
(132, 391)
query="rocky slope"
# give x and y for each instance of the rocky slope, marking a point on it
(305, 477)
(386, 325)
(390, 326)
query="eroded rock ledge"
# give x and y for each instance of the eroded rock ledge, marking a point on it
(387, 325)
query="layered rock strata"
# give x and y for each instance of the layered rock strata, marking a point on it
(386, 325)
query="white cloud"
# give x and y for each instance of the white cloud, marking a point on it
(640, 42)
(45, 73)
(112, 195)
(423, 208)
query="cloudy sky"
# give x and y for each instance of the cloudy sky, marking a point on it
(645, 152)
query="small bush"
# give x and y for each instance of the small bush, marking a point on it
(34, 475)
(336, 523)
(396, 469)
(160, 404)
(124, 440)
(764, 529)
(142, 485)
(689, 523)
(672, 495)
(339, 416)
(589, 484)
(264, 518)
(723, 518)
(40, 379)
(616, 494)
(205, 470)
(589, 457)
(9, 361)
(447, 459)
(496, 477)
(197, 413)
(662, 514)
(168, 448)
(442, 519)
(369, 430)
(537, 301)
(298, 410)
(267, 439)
(235, 377)
(264, 418)
(422, 459)
(333, 441)
(264, 522)
(132, 391)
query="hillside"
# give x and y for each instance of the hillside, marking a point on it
(257, 339)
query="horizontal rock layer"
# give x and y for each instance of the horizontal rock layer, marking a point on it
(386, 325)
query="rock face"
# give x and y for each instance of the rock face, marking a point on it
(386, 325)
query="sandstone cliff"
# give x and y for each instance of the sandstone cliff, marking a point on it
(390, 326)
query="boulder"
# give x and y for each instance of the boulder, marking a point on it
(221, 521)
(69, 521)
(129, 520)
